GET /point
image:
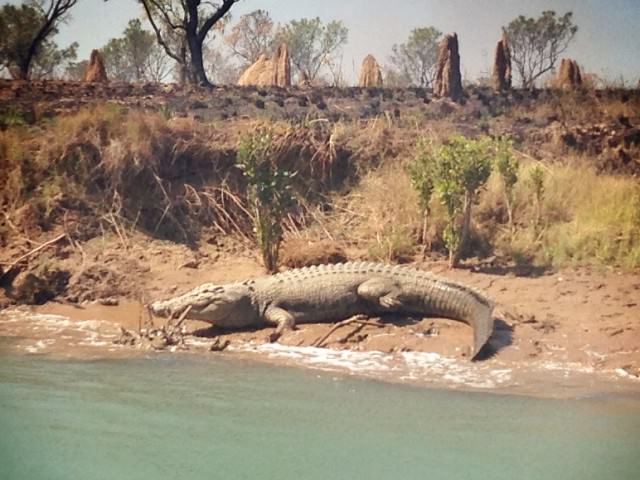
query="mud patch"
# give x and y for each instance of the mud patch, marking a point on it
(97, 282)
(38, 287)
(298, 253)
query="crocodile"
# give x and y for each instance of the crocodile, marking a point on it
(326, 293)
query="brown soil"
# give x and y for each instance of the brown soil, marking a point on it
(586, 320)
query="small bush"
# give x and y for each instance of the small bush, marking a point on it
(12, 117)
(269, 193)
(455, 171)
(507, 165)
(422, 179)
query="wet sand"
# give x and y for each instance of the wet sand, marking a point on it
(572, 332)
(429, 352)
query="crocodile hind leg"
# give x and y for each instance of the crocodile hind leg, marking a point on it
(282, 320)
(381, 291)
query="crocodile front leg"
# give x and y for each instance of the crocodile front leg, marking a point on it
(381, 291)
(282, 319)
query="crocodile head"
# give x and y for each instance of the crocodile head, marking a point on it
(209, 302)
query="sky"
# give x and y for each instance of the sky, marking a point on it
(607, 42)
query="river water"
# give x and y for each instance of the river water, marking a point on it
(195, 417)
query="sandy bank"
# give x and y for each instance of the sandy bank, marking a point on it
(587, 352)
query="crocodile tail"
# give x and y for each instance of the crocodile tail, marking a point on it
(463, 303)
(482, 323)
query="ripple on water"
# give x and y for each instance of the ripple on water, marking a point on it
(405, 366)
(41, 333)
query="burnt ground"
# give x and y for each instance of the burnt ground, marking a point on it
(602, 124)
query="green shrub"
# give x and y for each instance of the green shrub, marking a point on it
(269, 193)
(455, 171)
(12, 117)
(421, 173)
(507, 165)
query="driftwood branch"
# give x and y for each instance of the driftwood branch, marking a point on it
(174, 328)
(32, 252)
(152, 337)
(359, 320)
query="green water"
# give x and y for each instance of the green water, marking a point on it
(206, 418)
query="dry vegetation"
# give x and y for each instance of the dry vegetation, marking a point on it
(116, 169)
(586, 219)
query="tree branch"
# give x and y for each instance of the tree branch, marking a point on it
(56, 10)
(358, 319)
(167, 18)
(211, 21)
(161, 41)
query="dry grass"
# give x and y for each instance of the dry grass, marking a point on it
(603, 219)
(585, 218)
(14, 156)
(124, 170)
(168, 177)
(380, 216)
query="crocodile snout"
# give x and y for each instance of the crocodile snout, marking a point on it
(159, 309)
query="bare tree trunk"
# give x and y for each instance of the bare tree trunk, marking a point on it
(191, 27)
(509, 203)
(198, 74)
(425, 240)
(454, 259)
(425, 219)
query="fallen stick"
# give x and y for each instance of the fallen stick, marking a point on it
(359, 320)
(31, 252)
(181, 319)
(351, 333)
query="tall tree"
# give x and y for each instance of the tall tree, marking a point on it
(251, 36)
(135, 56)
(181, 28)
(75, 71)
(537, 43)
(51, 61)
(25, 30)
(312, 44)
(415, 60)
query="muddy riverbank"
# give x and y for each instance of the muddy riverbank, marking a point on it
(569, 333)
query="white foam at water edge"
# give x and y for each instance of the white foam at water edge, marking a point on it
(197, 342)
(568, 367)
(621, 372)
(416, 366)
(51, 321)
(38, 346)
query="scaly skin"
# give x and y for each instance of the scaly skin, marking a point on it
(327, 293)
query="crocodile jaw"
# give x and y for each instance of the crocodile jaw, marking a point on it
(210, 303)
